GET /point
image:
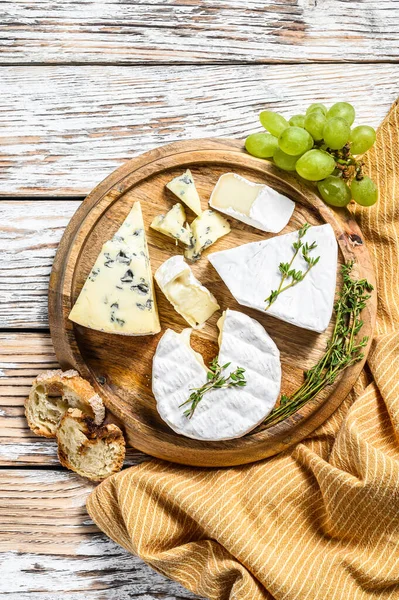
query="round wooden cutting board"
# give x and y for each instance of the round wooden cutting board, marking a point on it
(119, 367)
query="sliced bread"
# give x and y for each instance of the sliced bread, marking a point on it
(91, 451)
(51, 395)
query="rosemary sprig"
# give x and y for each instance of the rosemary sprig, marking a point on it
(343, 349)
(286, 270)
(216, 381)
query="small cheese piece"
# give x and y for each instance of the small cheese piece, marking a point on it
(184, 188)
(222, 414)
(206, 229)
(251, 272)
(255, 204)
(189, 298)
(118, 295)
(173, 224)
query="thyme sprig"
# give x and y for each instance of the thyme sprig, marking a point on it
(286, 270)
(343, 349)
(216, 381)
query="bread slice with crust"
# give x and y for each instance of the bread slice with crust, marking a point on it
(91, 451)
(52, 393)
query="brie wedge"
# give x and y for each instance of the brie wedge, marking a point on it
(118, 295)
(222, 414)
(189, 298)
(184, 188)
(173, 224)
(206, 229)
(255, 204)
(251, 272)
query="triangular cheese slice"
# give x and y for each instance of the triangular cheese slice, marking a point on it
(251, 272)
(118, 295)
(173, 224)
(184, 188)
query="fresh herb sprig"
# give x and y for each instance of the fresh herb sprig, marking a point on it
(216, 381)
(286, 270)
(343, 349)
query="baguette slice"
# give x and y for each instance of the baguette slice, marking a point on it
(51, 395)
(91, 451)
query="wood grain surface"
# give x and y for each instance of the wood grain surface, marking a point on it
(120, 367)
(142, 31)
(22, 357)
(50, 549)
(132, 75)
(63, 129)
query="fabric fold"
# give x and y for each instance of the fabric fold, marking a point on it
(320, 521)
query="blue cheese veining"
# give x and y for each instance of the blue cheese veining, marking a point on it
(118, 295)
(174, 225)
(184, 188)
(206, 229)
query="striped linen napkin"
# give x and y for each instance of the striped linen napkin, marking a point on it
(320, 521)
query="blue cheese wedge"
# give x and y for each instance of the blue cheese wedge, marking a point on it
(206, 229)
(222, 414)
(251, 272)
(174, 225)
(184, 188)
(189, 298)
(118, 295)
(252, 203)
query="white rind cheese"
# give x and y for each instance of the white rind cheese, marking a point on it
(225, 413)
(184, 188)
(118, 295)
(252, 203)
(173, 224)
(189, 298)
(251, 272)
(206, 229)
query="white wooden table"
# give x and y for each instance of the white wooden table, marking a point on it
(85, 85)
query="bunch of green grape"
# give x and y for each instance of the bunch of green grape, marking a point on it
(321, 147)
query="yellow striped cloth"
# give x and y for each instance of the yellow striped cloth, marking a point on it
(320, 521)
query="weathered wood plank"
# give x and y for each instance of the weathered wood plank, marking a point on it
(142, 31)
(63, 129)
(29, 236)
(22, 357)
(51, 550)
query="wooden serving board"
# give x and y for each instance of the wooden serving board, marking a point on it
(120, 366)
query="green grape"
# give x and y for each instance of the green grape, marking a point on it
(364, 191)
(334, 191)
(285, 161)
(362, 138)
(336, 133)
(297, 121)
(261, 145)
(294, 141)
(273, 122)
(316, 106)
(315, 165)
(314, 124)
(344, 110)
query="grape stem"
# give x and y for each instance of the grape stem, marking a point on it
(346, 163)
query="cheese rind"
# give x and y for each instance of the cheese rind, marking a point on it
(118, 295)
(183, 187)
(173, 224)
(189, 298)
(251, 272)
(206, 229)
(226, 413)
(252, 203)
